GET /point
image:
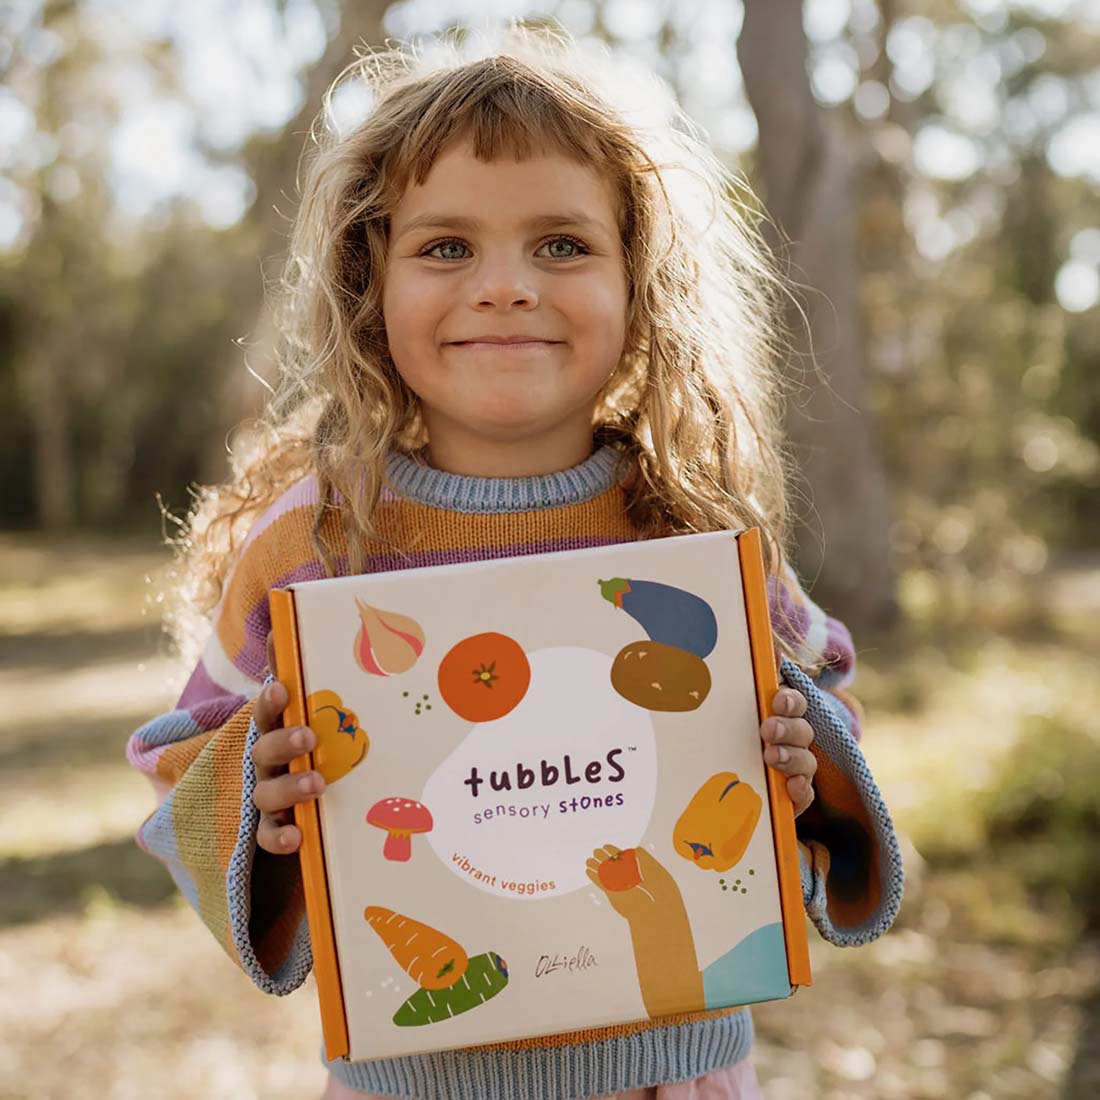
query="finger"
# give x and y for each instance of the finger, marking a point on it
(279, 747)
(801, 791)
(788, 731)
(790, 702)
(610, 849)
(791, 761)
(595, 879)
(268, 708)
(277, 838)
(283, 791)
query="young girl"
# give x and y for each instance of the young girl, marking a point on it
(523, 314)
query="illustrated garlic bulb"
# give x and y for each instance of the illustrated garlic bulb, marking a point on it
(386, 643)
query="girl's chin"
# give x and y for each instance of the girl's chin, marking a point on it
(506, 421)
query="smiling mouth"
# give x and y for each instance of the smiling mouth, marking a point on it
(517, 345)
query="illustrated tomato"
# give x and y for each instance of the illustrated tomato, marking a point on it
(484, 676)
(621, 872)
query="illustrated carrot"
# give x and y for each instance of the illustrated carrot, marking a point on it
(431, 959)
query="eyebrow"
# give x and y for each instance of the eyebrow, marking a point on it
(541, 221)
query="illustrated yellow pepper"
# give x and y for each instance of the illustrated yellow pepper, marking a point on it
(717, 825)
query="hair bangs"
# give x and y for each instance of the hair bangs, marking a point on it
(506, 111)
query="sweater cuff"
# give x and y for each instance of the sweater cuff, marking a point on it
(264, 894)
(852, 875)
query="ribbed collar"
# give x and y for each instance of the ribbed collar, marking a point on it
(461, 493)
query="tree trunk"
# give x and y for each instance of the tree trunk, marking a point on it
(46, 393)
(273, 167)
(808, 183)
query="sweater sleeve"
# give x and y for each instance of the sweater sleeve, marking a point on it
(198, 758)
(852, 875)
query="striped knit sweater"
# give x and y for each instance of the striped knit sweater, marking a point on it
(198, 757)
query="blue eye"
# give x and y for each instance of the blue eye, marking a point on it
(440, 244)
(582, 249)
(574, 242)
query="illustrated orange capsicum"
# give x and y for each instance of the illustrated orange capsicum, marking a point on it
(717, 825)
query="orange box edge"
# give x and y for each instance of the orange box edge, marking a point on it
(749, 549)
(326, 970)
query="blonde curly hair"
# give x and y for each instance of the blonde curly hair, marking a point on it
(695, 403)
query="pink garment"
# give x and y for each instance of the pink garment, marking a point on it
(736, 1082)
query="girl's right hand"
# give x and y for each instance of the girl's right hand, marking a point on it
(277, 790)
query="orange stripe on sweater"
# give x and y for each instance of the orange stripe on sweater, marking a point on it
(405, 527)
(282, 547)
(195, 829)
(417, 528)
(228, 752)
(176, 759)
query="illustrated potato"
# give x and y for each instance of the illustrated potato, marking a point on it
(660, 677)
(717, 825)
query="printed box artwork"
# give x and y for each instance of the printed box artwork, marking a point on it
(547, 807)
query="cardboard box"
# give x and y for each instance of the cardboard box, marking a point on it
(546, 804)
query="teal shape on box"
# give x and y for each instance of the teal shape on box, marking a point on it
(754, 970)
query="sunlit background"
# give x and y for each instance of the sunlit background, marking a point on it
(936, 167)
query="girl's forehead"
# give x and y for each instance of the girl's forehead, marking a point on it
(458, 179)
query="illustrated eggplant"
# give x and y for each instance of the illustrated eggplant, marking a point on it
(668, 615)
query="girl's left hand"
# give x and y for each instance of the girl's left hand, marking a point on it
(788, 736)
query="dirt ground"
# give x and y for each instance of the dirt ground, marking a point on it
(111, 989)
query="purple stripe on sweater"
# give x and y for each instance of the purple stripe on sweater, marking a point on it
(199, 688)
(252, 659)
(790, 620)
(305, 492)
(840, 653)
(211, 713)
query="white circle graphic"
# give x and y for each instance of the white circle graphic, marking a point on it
(522, 801)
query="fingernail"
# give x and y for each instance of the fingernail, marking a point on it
(307, 784)
(298, 740)
(780, 731)
(788, 704)
(783, 754)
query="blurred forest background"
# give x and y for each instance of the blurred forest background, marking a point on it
(934, 167)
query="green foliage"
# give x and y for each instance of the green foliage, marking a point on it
(1035, 823)
(1042, 813)
(117, 341)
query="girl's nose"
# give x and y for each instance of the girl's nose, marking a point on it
(504, 283)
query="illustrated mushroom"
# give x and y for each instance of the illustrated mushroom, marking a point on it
(400, 817)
